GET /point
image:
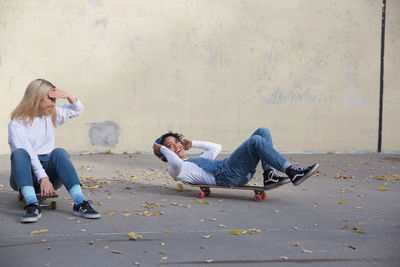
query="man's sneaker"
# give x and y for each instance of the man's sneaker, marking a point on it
(85, 210)
(32, 214)
(298, 175)
(272, 178)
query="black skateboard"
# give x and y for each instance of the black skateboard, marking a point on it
(41, 199)
(259, 191)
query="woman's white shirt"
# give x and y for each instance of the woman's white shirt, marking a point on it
(187, 171)
(38, 138)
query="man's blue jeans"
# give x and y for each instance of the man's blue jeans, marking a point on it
(57, 165)
(239, 168)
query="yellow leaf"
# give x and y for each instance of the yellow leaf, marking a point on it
(341, 201)
(236, 232)
(43, 231)
(134, 236)
(34, 232)
(166, 231)
(127, 214)
(180, 186)
(162, 252)
(204, 202)
(384, 188)
(346, 226)
(106, 247)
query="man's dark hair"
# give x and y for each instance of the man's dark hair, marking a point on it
(176, 135)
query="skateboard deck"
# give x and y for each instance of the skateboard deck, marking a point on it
(41, 199)
(259, 191)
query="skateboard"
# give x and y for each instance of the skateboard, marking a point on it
(41, 199)
(259, 191)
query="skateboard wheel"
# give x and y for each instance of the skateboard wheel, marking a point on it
(200, 194)
(53, 205)
(207, 192)
(264, 195)
(257, 197)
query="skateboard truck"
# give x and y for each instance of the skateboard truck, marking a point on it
(41, 199)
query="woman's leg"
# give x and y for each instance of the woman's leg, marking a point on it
(245, 158)
(266, 134)
(21, 177)
(61, 171)
(60, 165)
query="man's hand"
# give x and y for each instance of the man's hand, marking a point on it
(187, 144)
(46, 187)
(157, 148)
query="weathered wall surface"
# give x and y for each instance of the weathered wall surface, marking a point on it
(391, 105)
(214, 70)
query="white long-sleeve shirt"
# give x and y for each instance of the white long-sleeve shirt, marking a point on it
(38, 138)
(189, 172)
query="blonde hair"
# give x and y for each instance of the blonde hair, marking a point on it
(28, 108)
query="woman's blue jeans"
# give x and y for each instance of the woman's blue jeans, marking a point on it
(57, 165)
(239, 168)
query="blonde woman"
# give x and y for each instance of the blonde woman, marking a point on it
(36, 165)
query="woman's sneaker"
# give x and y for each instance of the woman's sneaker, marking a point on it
(32, 214)
(272, 178)
(298, 175)
(85, 210)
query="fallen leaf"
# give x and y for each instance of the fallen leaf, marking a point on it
(180, 186)
(235, 232)
(206, 236)
(209, 261)
(166, 231)
(117, 251)
(284, 258)
(134, 236)
(106, 247)
(296, 244)
(162, 252)
(341, 201)
(221, 225)
(307, 251)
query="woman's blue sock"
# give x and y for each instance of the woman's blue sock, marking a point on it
(76, 194)
(29, 194)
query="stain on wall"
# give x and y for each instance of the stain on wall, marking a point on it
(104, 133)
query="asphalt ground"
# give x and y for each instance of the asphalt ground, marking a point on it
(346, 215)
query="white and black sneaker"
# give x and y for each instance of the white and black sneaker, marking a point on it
(85, 210)
(272, 178)
(298, 175)
(32, 214)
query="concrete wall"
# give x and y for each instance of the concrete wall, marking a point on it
(391, 105)
(214, 70)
